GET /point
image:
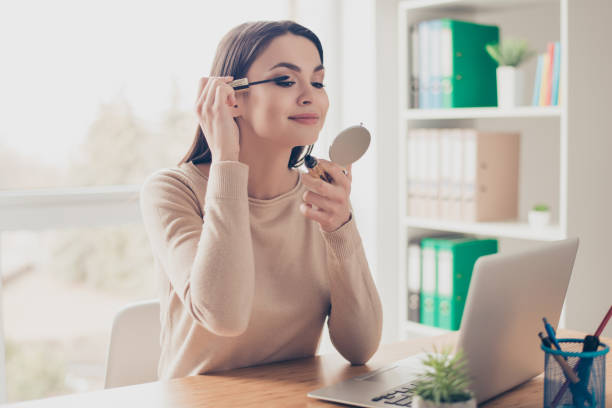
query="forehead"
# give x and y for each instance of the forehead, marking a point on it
(291, 48)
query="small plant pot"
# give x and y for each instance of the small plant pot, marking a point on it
(509, 87)
(418, 402)
(538, 218)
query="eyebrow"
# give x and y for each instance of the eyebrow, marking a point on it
(294, 67)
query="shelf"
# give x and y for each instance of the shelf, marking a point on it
(466, 5)
(478, 113)
(423, 330)
(508, 229)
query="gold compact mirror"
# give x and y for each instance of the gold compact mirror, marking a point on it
(349, 145)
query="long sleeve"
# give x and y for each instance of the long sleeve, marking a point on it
(355, 319)
(207, 253)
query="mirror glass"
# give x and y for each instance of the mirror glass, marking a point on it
(349, 145)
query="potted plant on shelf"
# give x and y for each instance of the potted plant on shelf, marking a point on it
(444, 384)
(539, 215)
(509, 54)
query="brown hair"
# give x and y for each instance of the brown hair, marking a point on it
(235, 54)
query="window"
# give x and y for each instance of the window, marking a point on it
(101, 93)
(93, 94)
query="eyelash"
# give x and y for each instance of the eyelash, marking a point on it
(287, 84)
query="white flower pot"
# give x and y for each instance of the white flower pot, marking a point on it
(538, 218)
(510, 86)
(418, 402)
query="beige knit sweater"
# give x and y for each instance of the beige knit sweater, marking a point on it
(246, 281)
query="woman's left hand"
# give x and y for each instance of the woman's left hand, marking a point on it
(330, 199)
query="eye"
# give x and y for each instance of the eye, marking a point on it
(285, 84)
(318, 85)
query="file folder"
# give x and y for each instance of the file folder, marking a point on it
(455, 263)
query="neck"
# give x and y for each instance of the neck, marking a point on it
(269, 175)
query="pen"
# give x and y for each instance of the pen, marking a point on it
(567, 370)
(551, 333)
(583, 368)
(604, 322)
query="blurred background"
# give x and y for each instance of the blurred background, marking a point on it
(95, 96)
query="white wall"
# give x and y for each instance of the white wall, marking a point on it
(590, 165)
(356, 36)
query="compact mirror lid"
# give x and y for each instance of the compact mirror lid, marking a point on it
(349, 145)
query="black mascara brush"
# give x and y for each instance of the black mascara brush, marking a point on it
(243, 83)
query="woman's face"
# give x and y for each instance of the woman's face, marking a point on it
(272, 109)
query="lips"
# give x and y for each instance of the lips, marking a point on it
(305, 118)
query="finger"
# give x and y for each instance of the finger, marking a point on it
(201, 84)
(201, 92)
(223, 95)
(209, 93)
(319, 216)
(319, 201)
(230, 95)
(323, 188)
(349, 172)
(337, 173)
(204, 95)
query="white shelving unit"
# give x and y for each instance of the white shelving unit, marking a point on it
(481, 113)
(544, 130)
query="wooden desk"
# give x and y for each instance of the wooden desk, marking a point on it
(283, 384)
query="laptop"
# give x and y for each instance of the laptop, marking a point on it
(509, 295)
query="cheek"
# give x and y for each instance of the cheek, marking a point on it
(266, 110)
(324, 103)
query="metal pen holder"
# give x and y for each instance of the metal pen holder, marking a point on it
(590, 367)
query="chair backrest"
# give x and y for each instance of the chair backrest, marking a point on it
(133, 351)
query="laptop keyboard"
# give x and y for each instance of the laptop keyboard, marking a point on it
(400, 396)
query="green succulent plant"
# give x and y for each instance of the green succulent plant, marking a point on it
(445, 378)
(510, 52)
(540, 207)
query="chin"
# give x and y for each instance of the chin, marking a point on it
(303, 137)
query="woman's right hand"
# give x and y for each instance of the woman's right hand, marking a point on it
(213, 107)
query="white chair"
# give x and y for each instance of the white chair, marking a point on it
(133, 352)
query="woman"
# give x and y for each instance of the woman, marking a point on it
(251, 254)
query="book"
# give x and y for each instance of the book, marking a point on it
(490, 175)
(432, 178)
(429, 283)
(549, 78)
(414, 280)
(424, 70)
(446, 61)
(556, 73)
(418, 173)
(462, 174)
(535, 100)
(455, 264)
(414, 66)
(469, 73)
(436, 64)
(429, 305)
(445, 197)
(546, 68)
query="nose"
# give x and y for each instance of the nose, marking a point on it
(305, 97)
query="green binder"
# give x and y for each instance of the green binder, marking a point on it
(455, 263)
(429, 277)
(429, 304)
(468, 72)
